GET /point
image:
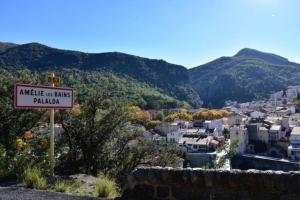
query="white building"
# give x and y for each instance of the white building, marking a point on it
(237, 119)
(275, 133)
(294, 148)
(257, 114)
(196, 144)
(294, 120)
(216, 124)
(167, 127)
(263, 134)
(239, 134)
(174, 137)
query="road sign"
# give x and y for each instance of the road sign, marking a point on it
(38, 96)
(54, 79)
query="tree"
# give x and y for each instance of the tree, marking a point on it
(226, 133)
(14, 122)
(210, 114)
(152, 124)
(178, 115)
(159, 115)
(140, 116)
(99, 141)
(89, 131)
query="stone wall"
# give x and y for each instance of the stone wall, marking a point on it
(189, 184)
(249, 161)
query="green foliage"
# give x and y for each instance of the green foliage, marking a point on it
(61, 186)
(5, 45)
(159, 115)
(226, 133)
(242, 78)
(88, 133)
(165, 155)
(4, 172)
(152, 124)
(33, 178)
(14, 122)
(105, 187)
(233, 148)
(170, 79)
(217, 164)
(19, 153)
(230, 152)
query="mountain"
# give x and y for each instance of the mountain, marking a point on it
(6, 45)
(170, 79)
(246, 76)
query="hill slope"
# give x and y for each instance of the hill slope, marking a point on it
(248, 75)
(6, 45)
(171, 79)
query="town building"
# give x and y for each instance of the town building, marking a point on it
(294, 148)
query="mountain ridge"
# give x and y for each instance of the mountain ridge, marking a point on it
(248, 75)
(171, 78)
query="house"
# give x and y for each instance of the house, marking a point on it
(294, 148)
(147, 135)
(237, 119)
(274, 133)
(263, 134)
(167, 127)
(239, 134)
(280, 112)
(216, 124)
(294, 120)
(292, 107)
(159, 139)
(256, 114)
(198, 123)
(253, 129)
(273, 120)
(173, 137)
(198, 144)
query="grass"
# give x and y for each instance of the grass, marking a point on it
(61, 186)
(32, 178)
(105, 187)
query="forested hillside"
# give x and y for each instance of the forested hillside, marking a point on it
(170, 79)
(151, 83)
(248, 75)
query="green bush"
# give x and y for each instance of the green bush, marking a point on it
(61, 186)
(105, 187)
(32, 178)
(152, 124)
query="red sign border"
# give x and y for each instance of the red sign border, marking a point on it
(41, 107)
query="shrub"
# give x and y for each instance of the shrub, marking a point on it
(105, 187)
(32, 178)
(178, 115)
(61, 186)
(152, 124)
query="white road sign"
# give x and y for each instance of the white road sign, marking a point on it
(37, 96)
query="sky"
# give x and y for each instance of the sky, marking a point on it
(185, 32)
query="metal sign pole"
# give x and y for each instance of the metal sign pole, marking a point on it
(52, 161)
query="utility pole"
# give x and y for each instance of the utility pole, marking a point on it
(52, 160)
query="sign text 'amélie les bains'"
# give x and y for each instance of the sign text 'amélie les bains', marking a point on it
(36, 96)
